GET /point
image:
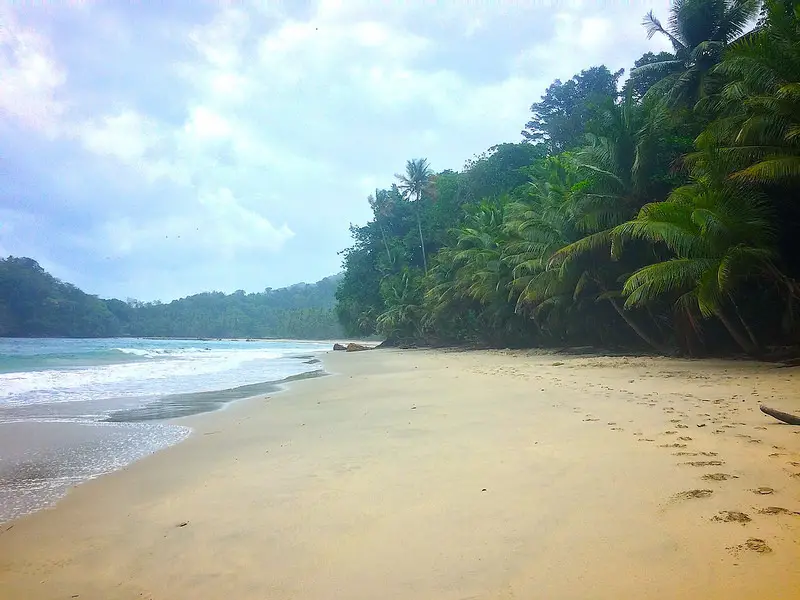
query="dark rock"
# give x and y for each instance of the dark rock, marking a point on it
(339, 347)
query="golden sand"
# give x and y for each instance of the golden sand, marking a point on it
(448, 475)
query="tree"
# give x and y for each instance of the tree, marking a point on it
(414, 184)
(499, 170)
(33, 303)
(556, 263)
(757, 132)
(721, 234)
(699, 31)
(641, 80)
(559, 119)
(671, 207)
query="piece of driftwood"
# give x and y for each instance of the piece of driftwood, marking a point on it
(781, 416)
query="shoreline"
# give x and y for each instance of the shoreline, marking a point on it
(419, 474)
(44, 459)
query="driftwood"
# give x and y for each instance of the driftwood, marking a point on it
(351, 347)
(781, 416)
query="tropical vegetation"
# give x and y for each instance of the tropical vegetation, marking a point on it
(660, 214)
(33, 303)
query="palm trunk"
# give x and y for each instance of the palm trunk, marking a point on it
(744, 343)
(385, 243)
(639, 331)
(421, 240)
(747, 329)
(383, 232)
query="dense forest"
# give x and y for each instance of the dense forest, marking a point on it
(33, 303)
(661, 214)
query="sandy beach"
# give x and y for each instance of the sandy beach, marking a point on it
(448, 475)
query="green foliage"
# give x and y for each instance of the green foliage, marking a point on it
(757, 131)
(559, 119)
(663, 217)
(35, 304)
(699, 31)
(641, 80)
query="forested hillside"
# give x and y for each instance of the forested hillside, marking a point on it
(33, 303)
(661, 214)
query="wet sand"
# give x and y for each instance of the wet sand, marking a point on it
(448, 475)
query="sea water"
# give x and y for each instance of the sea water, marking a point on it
(71, 410)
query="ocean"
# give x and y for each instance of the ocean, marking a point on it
(74, 409)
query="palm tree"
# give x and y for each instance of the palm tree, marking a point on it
(379, 203)
(616, 178)
(720, 234)
(541, 224)
(415, 183)
(757, 135)
(554, 285)
(402, 294)
(699, 31)
(480, 273)
(474, 272)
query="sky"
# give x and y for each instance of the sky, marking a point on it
(155, 149)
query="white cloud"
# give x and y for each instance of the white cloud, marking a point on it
(29, 76)
(205, 123)
(275, 121)
(217, 223)
(218, 42)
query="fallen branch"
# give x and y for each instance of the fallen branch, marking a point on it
(781, 416)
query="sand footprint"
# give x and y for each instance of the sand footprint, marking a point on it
(731, 516)
(777, 510)
(704, 463)
(692, 494)
(718, 476)
(751, 545)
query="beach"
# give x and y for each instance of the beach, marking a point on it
(447, 475)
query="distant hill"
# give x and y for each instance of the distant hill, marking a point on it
(33, 303)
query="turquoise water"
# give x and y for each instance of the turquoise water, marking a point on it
(71, 410)
(90, 379)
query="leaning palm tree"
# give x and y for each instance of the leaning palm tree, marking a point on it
(414, 184)
(757, 134)
(551, 281)
(699, 31)
(720, 234)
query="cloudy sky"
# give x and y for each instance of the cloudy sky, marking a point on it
(153, 149)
